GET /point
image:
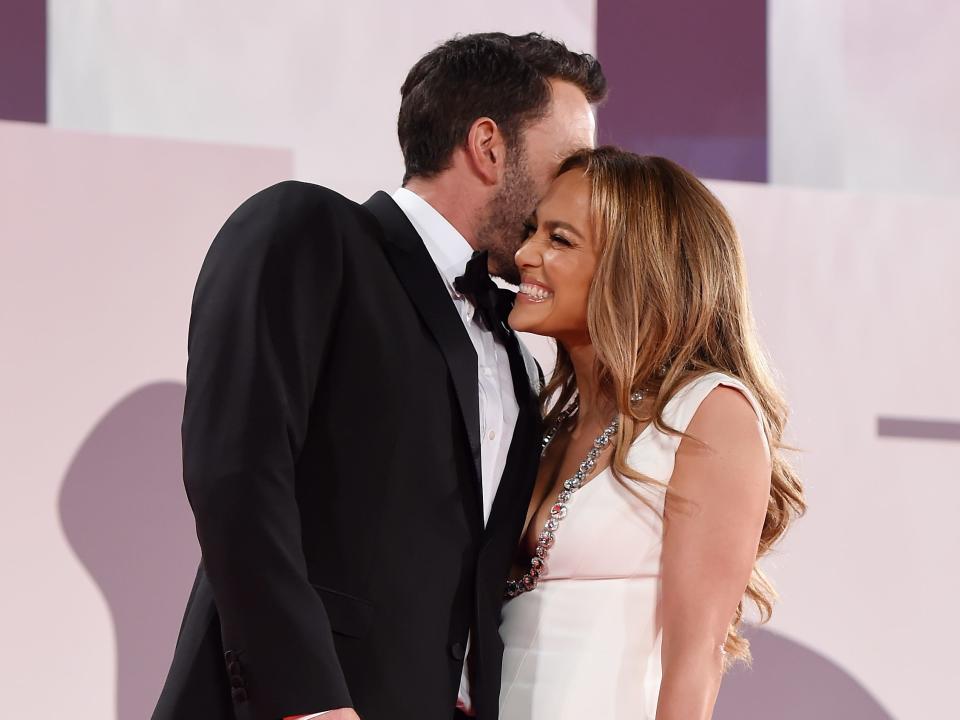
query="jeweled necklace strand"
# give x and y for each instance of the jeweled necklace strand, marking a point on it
(538, 563)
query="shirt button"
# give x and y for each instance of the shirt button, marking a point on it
(492, 434)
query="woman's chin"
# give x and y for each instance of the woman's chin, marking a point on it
(521, 321)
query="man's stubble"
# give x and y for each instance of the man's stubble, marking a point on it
(501, 230)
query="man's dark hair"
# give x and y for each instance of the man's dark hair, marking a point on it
(503, 77)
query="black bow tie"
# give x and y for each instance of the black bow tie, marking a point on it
(492, 302)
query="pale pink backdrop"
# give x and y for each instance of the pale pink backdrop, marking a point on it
(102, 238)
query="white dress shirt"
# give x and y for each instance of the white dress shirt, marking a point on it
(450, 252)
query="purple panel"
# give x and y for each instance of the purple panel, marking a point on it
(918, 429)
(23, 60)
(688, 80)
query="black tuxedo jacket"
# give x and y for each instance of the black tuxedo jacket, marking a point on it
(331, 456)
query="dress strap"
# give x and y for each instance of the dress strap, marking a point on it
(683, 406)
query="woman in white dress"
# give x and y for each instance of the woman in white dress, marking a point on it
(661, 482)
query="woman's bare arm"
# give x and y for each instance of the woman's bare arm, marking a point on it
(715, 508)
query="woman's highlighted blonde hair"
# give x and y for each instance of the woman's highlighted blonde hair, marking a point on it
(669, 303)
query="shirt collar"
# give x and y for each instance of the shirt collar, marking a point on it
(448, 249)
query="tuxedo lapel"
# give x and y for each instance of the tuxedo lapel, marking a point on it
(519, 475)
(410, 260)
(527, 376)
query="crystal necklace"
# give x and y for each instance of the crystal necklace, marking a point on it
(558, 511)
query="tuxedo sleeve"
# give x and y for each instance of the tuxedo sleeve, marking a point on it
(260, 327)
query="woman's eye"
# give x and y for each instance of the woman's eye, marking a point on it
(560, 239)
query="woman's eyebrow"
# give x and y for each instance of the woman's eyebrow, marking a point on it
(563, 226)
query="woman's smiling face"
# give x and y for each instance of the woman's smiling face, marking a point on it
(557, 263)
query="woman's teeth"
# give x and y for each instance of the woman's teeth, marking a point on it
(535, 292)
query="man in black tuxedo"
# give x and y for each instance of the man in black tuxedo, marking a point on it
(361, 429)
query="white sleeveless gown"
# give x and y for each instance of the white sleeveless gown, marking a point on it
(585, 643)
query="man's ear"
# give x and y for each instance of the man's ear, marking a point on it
(486, 150)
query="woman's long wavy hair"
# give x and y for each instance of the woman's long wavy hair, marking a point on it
(669, 303)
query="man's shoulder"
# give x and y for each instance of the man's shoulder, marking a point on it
(296, 212)
(291, 198)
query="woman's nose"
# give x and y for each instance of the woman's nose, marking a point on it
(527, 255)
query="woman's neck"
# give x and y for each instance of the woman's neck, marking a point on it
(594, 410)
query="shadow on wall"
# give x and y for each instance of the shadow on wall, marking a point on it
(125, 512)
(791, 682)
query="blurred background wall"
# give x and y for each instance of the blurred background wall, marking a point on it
(130, 130)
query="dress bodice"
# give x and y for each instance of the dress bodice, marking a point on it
(586, 641)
